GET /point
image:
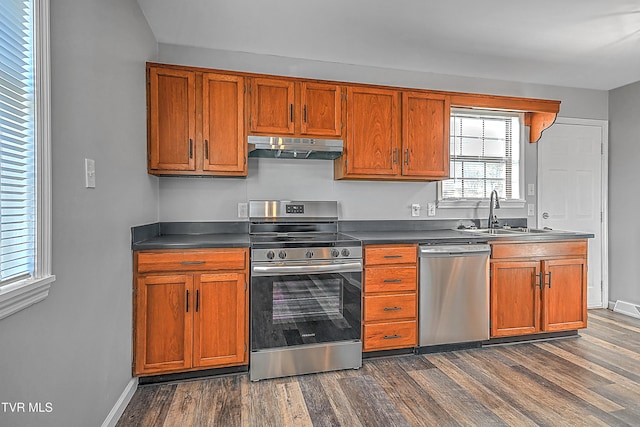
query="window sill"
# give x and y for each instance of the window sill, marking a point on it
(20, 295)
(482, 204)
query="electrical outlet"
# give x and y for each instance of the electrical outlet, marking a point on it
(242, 210)
(531, 190)
(431, 209)
(89, 173)
(415, 209)
(531, 209)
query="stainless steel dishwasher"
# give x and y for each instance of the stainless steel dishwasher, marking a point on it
(454, 294)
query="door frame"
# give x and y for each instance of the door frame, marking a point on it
(604, 191)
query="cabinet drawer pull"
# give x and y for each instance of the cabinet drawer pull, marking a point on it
(392, 256)
(392, 337)
(192, 262)
(392, 281)
(392, 308)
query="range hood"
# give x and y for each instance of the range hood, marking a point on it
(294, 148)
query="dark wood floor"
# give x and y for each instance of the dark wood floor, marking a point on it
(591, 380)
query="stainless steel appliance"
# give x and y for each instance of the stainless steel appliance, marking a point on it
(454, 294)
(294, 148)
(306, 287)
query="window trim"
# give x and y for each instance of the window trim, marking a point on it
(18, 295)
(484, 203)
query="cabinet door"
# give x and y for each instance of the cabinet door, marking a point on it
(515, 298)
(564, 294)
(164, 321)
(272, 106)
(372, 132)
(321, 109)
(172, 119)
(220, 327)
(425, 135)
(223, 123)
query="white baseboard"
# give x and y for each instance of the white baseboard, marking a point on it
(611, 305)
(121, 404)
(627, 308)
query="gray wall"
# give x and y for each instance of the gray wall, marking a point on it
(74, 348)
(184, 199)
(624, 197)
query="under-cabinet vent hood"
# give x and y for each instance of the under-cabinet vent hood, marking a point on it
(294, 148)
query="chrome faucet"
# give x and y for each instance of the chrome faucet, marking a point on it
(493, 221)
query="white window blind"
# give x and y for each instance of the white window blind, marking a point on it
(17, 141)
(484, 155)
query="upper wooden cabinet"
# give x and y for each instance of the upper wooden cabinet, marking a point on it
(392, 139)
(292, 108)
(172, 119)
(195, 123)
(372, 143)
(425, 135)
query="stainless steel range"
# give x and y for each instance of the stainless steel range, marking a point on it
(306, 288)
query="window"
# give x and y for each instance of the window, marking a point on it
(25, 244)
(485, 154)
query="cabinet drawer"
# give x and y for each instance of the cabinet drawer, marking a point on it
(390, 254)
(385, 336)
(197, 260)
(389, 307)
(574, 248)
(390, 279)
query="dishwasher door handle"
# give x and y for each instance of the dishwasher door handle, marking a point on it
(440, 251)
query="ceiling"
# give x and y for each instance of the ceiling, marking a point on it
(591, 44)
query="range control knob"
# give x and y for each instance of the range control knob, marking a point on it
(282, 254)
(271, 255)
(309, 254)
(335, 253)
(345, 252)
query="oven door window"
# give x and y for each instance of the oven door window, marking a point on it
(304, 309)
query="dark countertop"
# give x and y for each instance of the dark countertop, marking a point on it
(459, 236)
(199, 235)
(194, 241)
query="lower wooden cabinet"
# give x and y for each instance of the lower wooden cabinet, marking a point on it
(190, 319)
(538, 287)
(390, 297)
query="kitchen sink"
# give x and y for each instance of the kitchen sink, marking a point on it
(507, 231)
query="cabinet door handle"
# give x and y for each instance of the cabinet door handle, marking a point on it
(392, 337)
(206, 149)
(392, 308)
(549, 284)
(291, 112)
(540, 280)
(190, 148)
(191, 262)
(406, 156)
(304, 113)
(392, 281)
(197, 300)
(395, 156)
(187, 301)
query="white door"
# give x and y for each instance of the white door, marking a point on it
(572, 189)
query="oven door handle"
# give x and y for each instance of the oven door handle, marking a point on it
(269, 270)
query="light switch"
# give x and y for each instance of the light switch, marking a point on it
(415, 209)
(531, 190)
(242, 210)
(531, 209)
(89, 173)
(431, 209)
